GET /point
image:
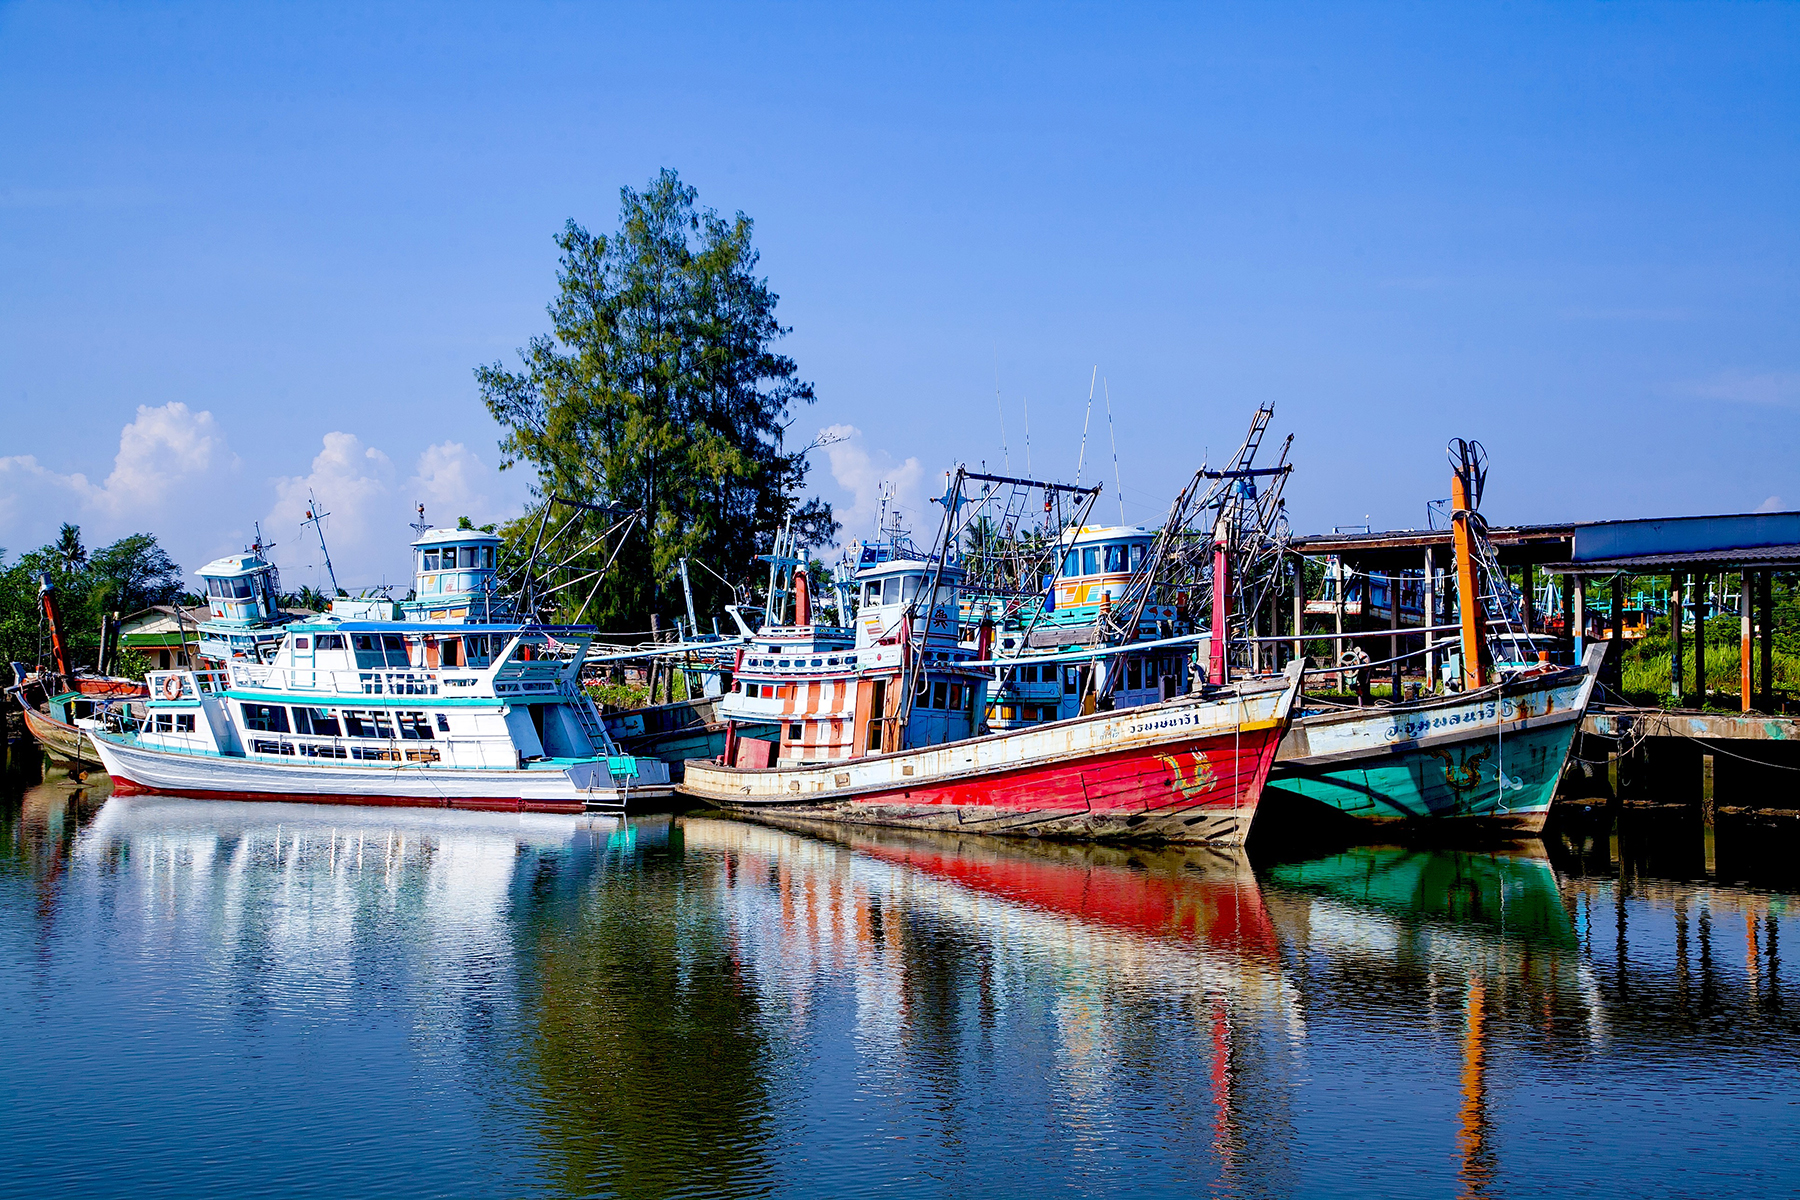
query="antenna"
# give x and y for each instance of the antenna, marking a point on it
(1026, 401)
(1084, 424)
(258, 545)
(420, 526)
(315, 518)
(1115, 449)
(1002, 410)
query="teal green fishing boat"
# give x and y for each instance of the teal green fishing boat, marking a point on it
(1488, 758)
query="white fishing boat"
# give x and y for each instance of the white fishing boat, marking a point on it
(375, 712)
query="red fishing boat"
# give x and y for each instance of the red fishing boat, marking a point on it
(890, 731)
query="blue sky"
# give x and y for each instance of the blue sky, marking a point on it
(249, 249)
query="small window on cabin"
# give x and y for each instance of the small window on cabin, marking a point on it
(433, 561)
(940, 695)
(1116, 558)
(890, 590)
(872, 592)
(165, 723)
(956, 696)
(1134, 675)
(470, 557)
(487, 557)
(443, 723)
(1137, 557)
(818, 662)
(384, 727)
(793, 733)
(1072, 563)
(414, 726)
(269, 718)
(323, 721)
(356, 724)
(1071, 681)
(184, 722)
(330, 641)
(395, 646)
(240, 589)
(447, 652)
(301, 643)
(1090, 561)
(831, 662)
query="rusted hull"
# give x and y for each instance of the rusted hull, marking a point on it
(1187, 771)
(64, 743)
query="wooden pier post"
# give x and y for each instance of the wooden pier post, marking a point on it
(1615, 651)
(1430, 619)
(1529, 607)
(1708, 811)
(1699, 605)
(1746, 654)
(1394, 637)
(1299, 605)
(1768, 640)
(1579, 631)
(1675, 638)
(1337, 643)
(1568, 610)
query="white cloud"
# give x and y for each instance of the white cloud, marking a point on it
(863, 474)
(1746, 387)
(1772, 504)
(366, 526)
(450, 481)
(166, 457)
(371, 509)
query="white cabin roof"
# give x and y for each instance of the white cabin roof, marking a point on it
(233, 565)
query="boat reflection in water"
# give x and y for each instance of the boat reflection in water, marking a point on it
(1095, 985)
(253, 998)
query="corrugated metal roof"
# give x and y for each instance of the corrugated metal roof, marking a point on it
(1753, 558)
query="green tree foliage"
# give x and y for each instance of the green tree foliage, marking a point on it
(658, 390)
(131, 574)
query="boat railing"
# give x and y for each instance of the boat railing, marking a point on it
(387, 681)
(186, 685)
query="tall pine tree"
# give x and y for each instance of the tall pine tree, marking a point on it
(658, 390)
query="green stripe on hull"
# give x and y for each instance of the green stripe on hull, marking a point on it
(1486, 777)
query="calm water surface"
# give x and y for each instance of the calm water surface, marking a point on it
(208, 998)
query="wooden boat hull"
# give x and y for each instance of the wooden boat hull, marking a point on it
(64, 743)
(1188, 770)
(583, 788)
(1489, 761)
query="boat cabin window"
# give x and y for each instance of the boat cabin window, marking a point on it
(318, 722)
(1090, 561)
(1137, 557)
(430, 558)
(269, 718)
(1072, 563)
(302, 643)
(447, 651)
(330, 641)
(1116, 558)
(872, 592)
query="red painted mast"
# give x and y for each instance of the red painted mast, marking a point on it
(1221, 593)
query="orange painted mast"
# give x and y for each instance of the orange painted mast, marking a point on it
(1462, 506)
(59, 649)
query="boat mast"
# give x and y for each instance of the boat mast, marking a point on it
(314, 518)
(59, 649)
(1465, 494)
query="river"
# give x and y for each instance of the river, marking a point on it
(272, 1000)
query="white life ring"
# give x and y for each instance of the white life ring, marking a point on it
(171, 688)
